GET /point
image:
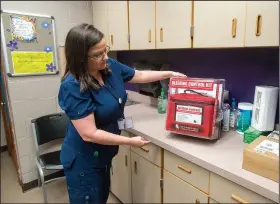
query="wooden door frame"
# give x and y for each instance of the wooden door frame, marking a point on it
(10, 136)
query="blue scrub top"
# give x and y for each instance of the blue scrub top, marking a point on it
(106, 109)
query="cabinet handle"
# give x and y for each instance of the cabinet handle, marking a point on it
(125, 160)
(112, 169)
(161, 34)
(135, 167)
(236, 198)
(112, 39)
(146, 149)
(150, 35)
(184, 169)
(233, 29)
(259, 25)
(197, 201)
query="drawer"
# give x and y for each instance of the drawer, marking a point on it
(126, 134)
(187, 171)
(232, 192)
(175, 190)
(151, 152)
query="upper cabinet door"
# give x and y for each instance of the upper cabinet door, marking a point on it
(142, 25)
(173, 22)
(262, 23)
(118, 25)
(100, 17)
(219, 24)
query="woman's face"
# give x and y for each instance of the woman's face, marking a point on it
(97, 56)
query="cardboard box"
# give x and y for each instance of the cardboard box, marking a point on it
(262, 157)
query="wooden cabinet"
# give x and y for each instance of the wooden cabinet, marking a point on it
(142, 25)
(188, 171)
(219, 24)
(118, 25)
(100, 17)
(111, 18)
(145, 180)
(176, 190)
(232, 192)
(262, 23)
(173, 22)
(121, 175)
(150, 152)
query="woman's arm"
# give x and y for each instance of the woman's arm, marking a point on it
(150, 76)
(87, 130)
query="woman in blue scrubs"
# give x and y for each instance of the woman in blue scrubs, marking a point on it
(93, 95)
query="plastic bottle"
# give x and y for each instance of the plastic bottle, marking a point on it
(233, 115)
(226, 114)
(244, 118)
(162, 102)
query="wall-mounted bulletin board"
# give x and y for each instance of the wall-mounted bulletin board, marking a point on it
(28, 44)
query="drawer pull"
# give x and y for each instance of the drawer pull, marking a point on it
(135, 167)
(233, 29)
(236, 198)
(125, 160)
(150, 36)
(112, 40)
(184, 169)
(259, 25)
(145, 149)
(161, 34)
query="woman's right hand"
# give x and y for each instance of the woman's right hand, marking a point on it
(138, 141)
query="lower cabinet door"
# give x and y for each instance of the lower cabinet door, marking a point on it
(145, 180)
(121, 175)
(176, 190)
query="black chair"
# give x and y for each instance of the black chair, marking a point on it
(46, 129)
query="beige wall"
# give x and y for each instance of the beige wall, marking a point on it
(32, 97)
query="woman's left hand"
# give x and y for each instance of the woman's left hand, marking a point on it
(177, 74)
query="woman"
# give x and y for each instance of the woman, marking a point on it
(92, 94)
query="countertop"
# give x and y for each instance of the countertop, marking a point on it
(223, 157)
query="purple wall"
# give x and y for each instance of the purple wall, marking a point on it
(242, 68)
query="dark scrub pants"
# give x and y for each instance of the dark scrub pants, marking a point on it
(87, 165)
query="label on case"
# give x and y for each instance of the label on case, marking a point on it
(189, 114)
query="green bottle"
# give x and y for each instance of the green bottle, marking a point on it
(162, 102)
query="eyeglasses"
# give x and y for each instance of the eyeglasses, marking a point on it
(107, 49)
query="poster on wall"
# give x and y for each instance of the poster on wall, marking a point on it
(23, 28)
(33, 62)
(30, 44)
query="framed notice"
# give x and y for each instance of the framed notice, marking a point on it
(28, 44)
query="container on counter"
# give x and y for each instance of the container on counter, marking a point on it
(162, 102)
(226, 117)
(244, 117)
(233, 115)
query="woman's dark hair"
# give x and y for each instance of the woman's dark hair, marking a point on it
(78, 42)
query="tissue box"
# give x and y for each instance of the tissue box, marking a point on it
(262, 157)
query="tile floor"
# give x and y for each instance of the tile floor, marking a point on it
(11, 192)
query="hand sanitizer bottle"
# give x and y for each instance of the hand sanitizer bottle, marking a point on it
(233, 115)
(162, 102)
